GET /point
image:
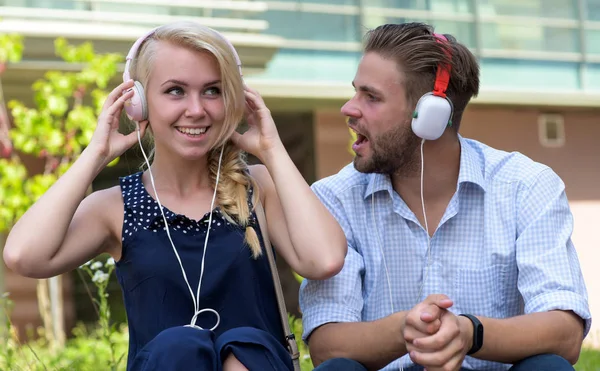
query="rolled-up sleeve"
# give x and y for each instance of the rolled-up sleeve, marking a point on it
(550, 276)
(339, 298)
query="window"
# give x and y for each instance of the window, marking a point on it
(312, 26)
(592, 74)
(551, 129)
(593, 10)
(529, 37)
(533, 75)
(49, 4)
(464, 32)
(593, 41)
(566, 9)
(442, 6)
(338, 2)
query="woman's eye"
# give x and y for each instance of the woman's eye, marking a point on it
(175, 91)
(213, 91)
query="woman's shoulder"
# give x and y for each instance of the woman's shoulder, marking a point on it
(107, 202)
(262, 179)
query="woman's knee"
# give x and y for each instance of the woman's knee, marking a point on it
(233, 364)
(178, 348)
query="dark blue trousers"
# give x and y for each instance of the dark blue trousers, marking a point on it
(187, 348)
(543, 362)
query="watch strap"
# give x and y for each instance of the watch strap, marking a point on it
(477, 333)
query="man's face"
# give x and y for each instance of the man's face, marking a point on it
(381, 118)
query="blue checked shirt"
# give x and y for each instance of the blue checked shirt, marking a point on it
(502, 248)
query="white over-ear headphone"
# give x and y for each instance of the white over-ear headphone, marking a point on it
(434, 110)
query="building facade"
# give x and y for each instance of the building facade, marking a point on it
(540, 79)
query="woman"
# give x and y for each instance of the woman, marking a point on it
(183, 233)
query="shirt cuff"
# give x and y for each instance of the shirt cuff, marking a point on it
(320, 315)
(562, 300)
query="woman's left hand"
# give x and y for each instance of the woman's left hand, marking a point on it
(262, 136)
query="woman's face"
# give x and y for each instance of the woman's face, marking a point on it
(185, 102)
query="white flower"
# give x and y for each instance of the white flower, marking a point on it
(110, 262)
(85, 264)
(96, 265)
(100, 277)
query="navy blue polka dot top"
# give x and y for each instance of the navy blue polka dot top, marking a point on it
(239, 287)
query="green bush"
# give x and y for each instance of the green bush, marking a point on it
(296, 327)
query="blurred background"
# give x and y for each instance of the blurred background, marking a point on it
(540, 94)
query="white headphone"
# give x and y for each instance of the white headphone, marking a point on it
(433, 113)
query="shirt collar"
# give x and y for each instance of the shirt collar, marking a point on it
(471, 171)
(472, 166)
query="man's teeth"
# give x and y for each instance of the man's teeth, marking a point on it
(192, 131)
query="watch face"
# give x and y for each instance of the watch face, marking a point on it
(479, 331)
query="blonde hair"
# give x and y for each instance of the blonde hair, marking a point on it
(235, 180)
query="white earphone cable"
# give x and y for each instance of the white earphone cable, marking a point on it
(387, 274)
(426, 224)
(428, 253)
(195, 299)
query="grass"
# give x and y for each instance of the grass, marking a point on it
(589, 360)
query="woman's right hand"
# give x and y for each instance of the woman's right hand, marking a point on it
(107, 142)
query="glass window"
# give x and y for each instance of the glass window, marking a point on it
(338, 2)
(529, 38)
(445, 6)
(593, 41)
(464, 32)
(530, 8)
(593, 10)
(593, 76)
(48, 4)
(312, 65)
(311, 26)
(524, 74)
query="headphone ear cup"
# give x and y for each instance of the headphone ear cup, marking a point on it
(431, 117)
(137, 109)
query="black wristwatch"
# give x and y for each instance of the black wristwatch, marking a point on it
(477, 333)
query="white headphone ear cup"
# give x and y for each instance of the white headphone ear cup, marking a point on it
(431, 116)
(136, 108)
(142, 99)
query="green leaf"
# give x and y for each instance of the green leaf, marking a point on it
(55, 140)
(57, 105)
(11, 48)
(60, 123)
(113, 162)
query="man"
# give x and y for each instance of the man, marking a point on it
(459, 255)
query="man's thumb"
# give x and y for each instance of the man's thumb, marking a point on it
(441, 300)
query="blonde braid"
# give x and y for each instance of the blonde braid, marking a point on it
(232, 191)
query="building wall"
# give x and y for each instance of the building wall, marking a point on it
(516, 129)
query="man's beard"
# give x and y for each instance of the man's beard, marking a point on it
(392, 152)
